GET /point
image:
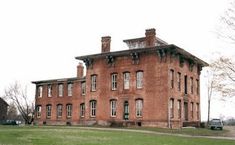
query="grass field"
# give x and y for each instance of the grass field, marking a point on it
(63, 135)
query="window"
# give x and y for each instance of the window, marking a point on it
(179, 108)
(139, 79)
(172, 78)
(39, 111)
(171, 108)
(185, 84)
(114, 81)
(197, 110)
(139, 107)
(126, 77)
(192, 109)
(93, 82)
(49, 91)
(61, 90)
(70, 89)
(113, 105)
(69, 110)
(198, 86)
(93, 108)
(48, 111)
(83, 88)
(179, 81)
(59, 110)
(39, 91)
(82, 110)
(191, 85)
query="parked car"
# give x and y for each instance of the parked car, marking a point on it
(216, 124)
(9, 122)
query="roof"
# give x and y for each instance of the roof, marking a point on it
(1, 99)
(170, 47)
(58, 80)
(142, 39)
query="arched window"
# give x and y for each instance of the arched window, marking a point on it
(82, 110)
(139, 107)
(113, 108)
(39, 111)
(69, 110)
(93, 108)
(48, 111)
(59, 110)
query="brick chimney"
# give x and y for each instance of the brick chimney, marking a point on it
(105, 41)
(150, 37)
(80, 70)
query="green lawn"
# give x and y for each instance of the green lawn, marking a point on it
(63, 135)
(187, 131)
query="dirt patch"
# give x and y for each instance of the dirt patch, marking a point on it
(231, 129)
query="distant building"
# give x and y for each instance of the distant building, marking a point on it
(3, 109)
(151, 84)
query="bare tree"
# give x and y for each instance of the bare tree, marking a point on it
(220, 77)
(19, 97)
(12, 112)
(225, 68)
(211, 84)
(226, 26)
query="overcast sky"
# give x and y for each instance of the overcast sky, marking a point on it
(39, 39)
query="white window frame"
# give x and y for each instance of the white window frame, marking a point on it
(93, 104)
(59, 110)
(39, 111)
(113, 108)
(172, 78)
(48, 111)
(82, 110)
(139, 79)
(139, 107)
(93, 82)
(70, 89)
(179, 81)
(192, 106)
(40, 90)
(69, 110)
(191, 85)
(114, 81)
(198, 85)
(171, 108)
(61, 90)
(83, 88)
(126, 77)
(49, 91)
(179, 108)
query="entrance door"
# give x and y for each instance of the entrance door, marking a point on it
(185, 111)
(126, 111)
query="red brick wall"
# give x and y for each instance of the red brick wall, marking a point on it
(155, 93)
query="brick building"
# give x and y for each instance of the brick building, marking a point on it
(3, 109)
(150, 84)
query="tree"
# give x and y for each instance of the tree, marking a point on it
(225, 68)
(226, 27)
(220, 80)
(12, 112)
(211, 84)
(18, 96)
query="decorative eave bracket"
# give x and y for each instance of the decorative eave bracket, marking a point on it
(88, 62)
